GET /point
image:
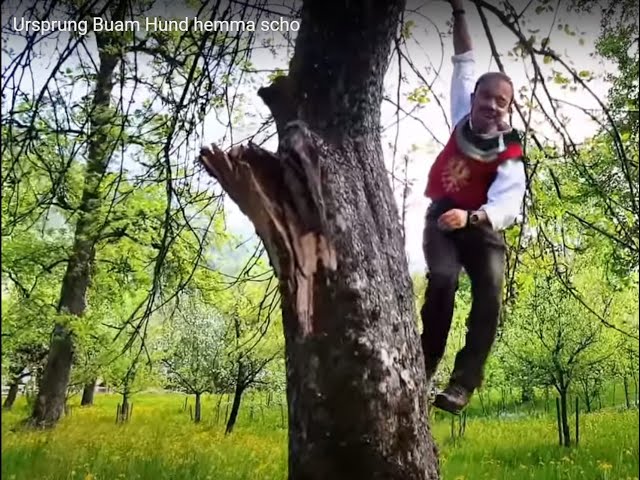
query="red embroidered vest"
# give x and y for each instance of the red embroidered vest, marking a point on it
(462, 179)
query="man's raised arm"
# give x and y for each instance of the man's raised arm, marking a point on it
(461, 37)
(463, 77)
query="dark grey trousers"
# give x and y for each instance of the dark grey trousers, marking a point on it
(481, 251)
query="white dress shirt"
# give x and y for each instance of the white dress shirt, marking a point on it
(506, 193)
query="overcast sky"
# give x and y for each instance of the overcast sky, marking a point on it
(432, 54)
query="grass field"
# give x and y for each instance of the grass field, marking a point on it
(161, 442)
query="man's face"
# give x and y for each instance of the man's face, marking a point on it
(490, 105)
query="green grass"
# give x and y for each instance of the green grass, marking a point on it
(160, 442)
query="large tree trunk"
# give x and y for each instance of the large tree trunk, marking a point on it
(49, 405)
(324, 209)
(11, 396)
(88, 392)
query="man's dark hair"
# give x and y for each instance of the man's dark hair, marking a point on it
(499, 75)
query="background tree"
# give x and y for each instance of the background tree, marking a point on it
(251, 339)
(554, 339)
(31, 268)
(128, 373)
(194, 353)
(85, 139)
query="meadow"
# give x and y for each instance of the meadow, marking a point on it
(161, 442)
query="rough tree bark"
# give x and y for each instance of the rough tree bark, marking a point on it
(88, 392)
(325, 211)
(49, 405)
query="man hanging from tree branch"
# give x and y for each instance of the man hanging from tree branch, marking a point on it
(476, 186)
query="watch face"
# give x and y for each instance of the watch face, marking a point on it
(474, 218)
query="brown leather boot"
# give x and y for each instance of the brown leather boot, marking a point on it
(452, 399)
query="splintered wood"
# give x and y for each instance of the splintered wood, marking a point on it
(282, 196)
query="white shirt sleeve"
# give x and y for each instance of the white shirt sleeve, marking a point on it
(462, 84)
(505, 195)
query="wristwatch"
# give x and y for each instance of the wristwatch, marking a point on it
(473, 218)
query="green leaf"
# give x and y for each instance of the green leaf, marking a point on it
(560, 79)
(420, 95)
(407, 28)
(277, 73)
